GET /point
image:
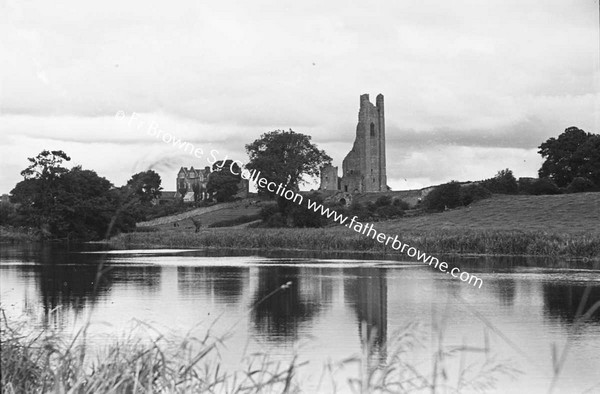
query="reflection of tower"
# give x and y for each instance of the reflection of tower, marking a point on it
(366, 290)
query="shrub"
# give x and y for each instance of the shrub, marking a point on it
(472, 193)
(443, 196)
(389, 212)
(8, 214)
(503, 183)
(301, 216)
(383, 201)
(357, 209)
(580, 185)
(401, 204)
(539, 187)
(275, 220)
(267, 211)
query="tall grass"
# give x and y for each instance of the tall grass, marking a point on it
(45, 362)
(492, 242)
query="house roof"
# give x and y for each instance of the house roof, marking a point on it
(187, 172)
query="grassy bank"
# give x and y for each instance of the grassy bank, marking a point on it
(561, 225)
(446, 241)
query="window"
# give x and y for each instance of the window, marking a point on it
(345, 188)
(372, 129)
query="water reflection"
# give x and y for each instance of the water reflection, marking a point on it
(226, 284)
(505, 289)
(366, 290)
(567, 302)
(335, 306)
(278, 316)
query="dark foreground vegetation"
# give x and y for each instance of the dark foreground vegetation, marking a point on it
(41, 361)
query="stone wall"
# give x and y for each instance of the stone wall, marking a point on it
(364, 167)
(329, 178)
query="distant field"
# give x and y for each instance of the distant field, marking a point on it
(564, 213)
(211, 217)
(564, 225)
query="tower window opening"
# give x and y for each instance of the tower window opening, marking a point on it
(372, 129)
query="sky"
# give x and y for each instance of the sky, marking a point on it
(471, 87)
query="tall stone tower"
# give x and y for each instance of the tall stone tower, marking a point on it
(364, 168)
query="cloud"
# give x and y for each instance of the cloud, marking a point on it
(496, 76)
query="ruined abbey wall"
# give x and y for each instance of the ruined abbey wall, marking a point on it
(364, 168)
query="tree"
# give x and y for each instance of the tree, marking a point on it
(145, 185)
(503, 183)
(580, 185)
(302, 216)
(444, 196)
(286, 157)
(224, 180)
(81, 204)
(69, 204)
(47, 165)
(574, 153)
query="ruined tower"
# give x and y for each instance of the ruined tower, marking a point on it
(364, 168)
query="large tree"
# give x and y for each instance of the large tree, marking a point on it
(68, 204)
(286, 157)
(224, 180)
(145, 185)
(77, 205)
(573, 154)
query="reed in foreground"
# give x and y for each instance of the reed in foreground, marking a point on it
(44, 362)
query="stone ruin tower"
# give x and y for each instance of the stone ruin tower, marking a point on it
(364, 168)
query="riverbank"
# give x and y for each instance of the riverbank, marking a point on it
(441, 241)
(14, 234)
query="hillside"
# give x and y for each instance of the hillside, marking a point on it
(563, 213)
(206, 215)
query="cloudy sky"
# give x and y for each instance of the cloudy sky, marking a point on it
(471, 87)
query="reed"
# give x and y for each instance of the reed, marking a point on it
(46, 362)
(488, 242)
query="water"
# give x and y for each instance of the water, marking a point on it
(524, 309)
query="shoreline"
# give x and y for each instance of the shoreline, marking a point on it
(476, 243)
(447, 242)
(345, 251)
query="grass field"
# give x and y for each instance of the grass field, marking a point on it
(212, 217)
(576, 214)
(563, 225)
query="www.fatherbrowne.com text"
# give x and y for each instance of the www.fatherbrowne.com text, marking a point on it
(361, 228)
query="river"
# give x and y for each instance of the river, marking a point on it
(524, 310)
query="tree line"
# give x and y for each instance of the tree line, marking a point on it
(76, 203)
